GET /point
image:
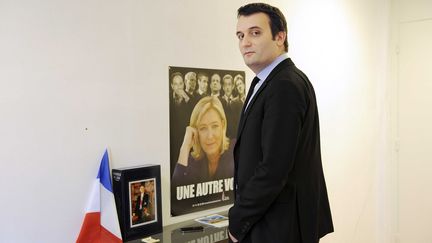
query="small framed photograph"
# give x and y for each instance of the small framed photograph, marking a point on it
(142, 202)
(137, 191)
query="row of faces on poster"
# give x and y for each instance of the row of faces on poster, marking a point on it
(205, 108)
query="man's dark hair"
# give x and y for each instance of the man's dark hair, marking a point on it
(176, 74)
(277, 19)
(202, 74)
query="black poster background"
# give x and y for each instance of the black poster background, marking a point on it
(201, 193)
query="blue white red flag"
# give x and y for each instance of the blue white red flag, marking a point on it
(100, 223)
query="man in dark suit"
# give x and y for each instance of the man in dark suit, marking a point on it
(281, 196)
(232, 105)
(142, 205)
(180, 109)
(190, 85)
(203, 81)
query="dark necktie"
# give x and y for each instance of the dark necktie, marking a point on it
(250, 92)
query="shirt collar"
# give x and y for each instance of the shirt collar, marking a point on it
(267, 70)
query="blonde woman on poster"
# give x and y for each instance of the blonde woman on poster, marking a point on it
(206, 152)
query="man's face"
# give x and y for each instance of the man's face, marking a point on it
(177, 83)
(215, 84)
(203, 83)
(190, 82)
(256, 42)
(228, 86)
(148, 186)
(240, 86)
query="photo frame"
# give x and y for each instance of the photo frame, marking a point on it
(137, 192)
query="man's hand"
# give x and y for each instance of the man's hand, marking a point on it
(182, 93)
(232, 237)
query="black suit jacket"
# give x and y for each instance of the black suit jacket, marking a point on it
(232, 112)
(145, 203)
(281, 194)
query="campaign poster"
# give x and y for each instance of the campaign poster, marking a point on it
(205, 107)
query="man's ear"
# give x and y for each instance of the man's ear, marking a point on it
(280, 38)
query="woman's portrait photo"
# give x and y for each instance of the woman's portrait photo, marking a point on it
(202, 135)
(206, 152)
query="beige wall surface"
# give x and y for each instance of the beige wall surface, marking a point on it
(411, 119)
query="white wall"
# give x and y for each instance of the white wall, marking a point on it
(79, 76)
(410, 89)
(342, 46)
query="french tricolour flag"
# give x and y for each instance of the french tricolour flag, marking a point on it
(100, 222)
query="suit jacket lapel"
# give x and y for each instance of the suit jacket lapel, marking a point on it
(244, 115)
